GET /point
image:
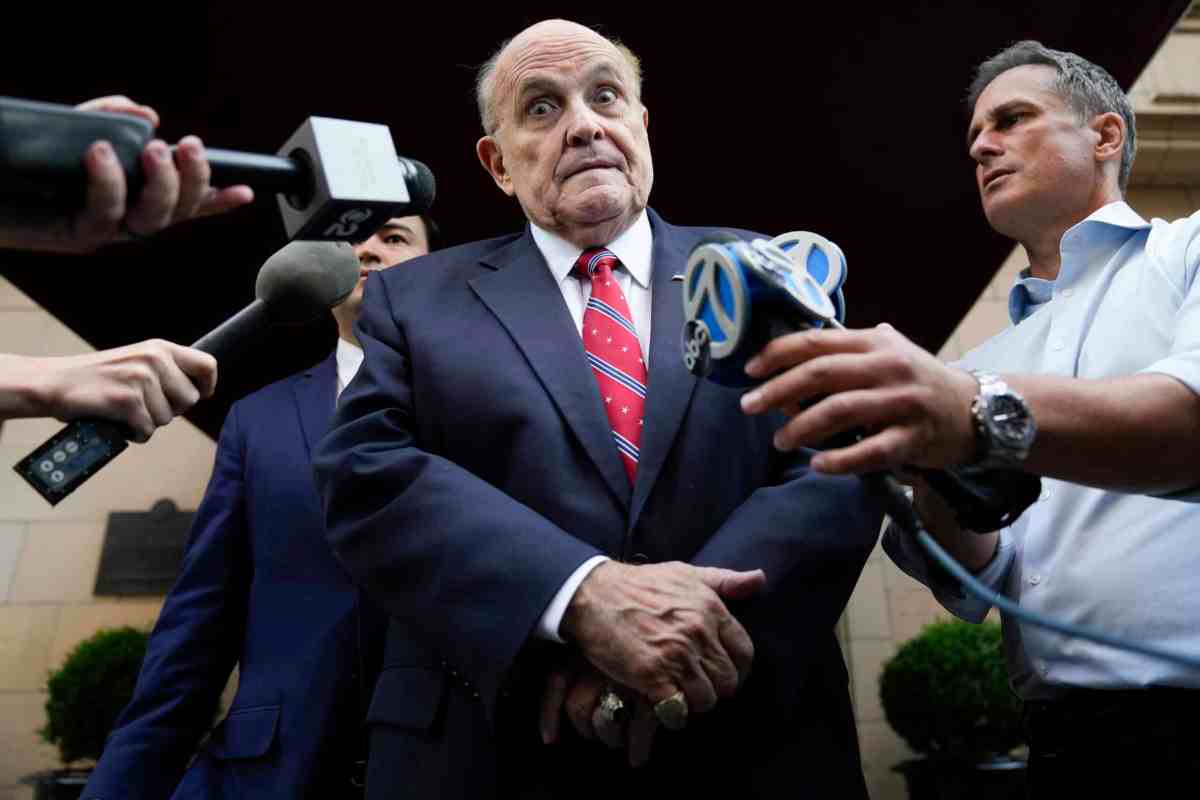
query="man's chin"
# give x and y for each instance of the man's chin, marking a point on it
(1006, 216)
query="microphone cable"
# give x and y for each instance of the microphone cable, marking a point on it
(903, 514)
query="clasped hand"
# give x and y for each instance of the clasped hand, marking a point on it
(648, 632)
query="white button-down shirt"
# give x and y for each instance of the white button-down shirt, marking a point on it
(633, 248)
(1126, 300)
(349, 357)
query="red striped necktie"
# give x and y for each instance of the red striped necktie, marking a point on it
(614, 353)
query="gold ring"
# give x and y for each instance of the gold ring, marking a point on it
(672, 712)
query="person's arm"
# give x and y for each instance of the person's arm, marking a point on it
(1135, 433)
(175, 189)
(194, 646)
(807, 530)
(989, 556)
(142, 385)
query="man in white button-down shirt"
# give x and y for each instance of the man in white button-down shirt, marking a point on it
(1104, 354)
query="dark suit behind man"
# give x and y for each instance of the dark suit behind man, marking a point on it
(260, 588)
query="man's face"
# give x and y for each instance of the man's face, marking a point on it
(399, 240)
(1034, 161)
(571, 140)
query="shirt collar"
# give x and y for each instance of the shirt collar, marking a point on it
(349, 358)
(1117, 214)
(633, 247)
(1028, 293)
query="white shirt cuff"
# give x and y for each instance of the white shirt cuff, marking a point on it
(552, 617)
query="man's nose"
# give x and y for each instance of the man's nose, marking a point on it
(584, 128)
(986, 145)
(368, 255)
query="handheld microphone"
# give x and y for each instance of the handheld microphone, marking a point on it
(294, 286)
(335, 180)
(738, 296)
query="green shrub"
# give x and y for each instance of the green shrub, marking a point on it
(947, 694)
(89, 690)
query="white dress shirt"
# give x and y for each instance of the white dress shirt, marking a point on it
(1126, 300)
(634, 248)
(349, 358)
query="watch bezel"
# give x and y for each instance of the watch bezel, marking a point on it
(997, 444)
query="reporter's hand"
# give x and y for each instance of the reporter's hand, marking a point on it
(143, 385)
(663, 628)
(174, 189)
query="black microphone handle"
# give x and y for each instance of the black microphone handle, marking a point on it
(273, 174)
(225, 339)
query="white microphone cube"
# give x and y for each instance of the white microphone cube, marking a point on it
(357, 182)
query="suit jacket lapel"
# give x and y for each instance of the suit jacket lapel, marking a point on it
(316, 393)
(521, 293)
(670, 385)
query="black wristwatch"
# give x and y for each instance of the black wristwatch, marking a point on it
(1004, 425)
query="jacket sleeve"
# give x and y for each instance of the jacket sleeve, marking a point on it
(810, 533)
(193, 647)
(462, 563)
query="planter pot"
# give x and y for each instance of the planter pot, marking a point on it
(59, 784)
(1000, 778)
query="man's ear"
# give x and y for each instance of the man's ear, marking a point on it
(1110, 128)
(493, 161)
(645, 118)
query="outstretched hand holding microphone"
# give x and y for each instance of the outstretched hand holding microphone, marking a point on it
(143, 385)
(73, 179)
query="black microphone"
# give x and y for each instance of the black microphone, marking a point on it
(335, 180)
(294, 286)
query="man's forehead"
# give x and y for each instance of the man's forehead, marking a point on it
(555, 56)
(1028, 80)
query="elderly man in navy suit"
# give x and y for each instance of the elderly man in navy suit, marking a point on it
(260, 589)
(559, 517)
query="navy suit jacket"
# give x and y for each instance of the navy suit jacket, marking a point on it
(470, 469)
(259, 588)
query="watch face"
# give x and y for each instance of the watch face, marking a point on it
(1010, 421)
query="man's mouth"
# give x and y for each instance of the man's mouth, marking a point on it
(994, 175)
(587, 166)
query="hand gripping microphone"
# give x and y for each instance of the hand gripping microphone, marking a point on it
(294, 286)
(336, 180)
(739, 295)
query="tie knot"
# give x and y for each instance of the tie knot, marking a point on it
(594, 259)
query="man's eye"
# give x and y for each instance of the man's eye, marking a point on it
(541, 108)
(606, 95)
(1008, 120)
(395, 239)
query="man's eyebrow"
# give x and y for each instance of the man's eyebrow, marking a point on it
(604, 68)
(535, 83)
(401, 226)
(993, 114)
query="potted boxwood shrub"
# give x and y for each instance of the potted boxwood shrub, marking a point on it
(85, 695)
(947, 694)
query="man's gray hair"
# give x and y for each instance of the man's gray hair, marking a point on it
(485, 81)
(1087, 89)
